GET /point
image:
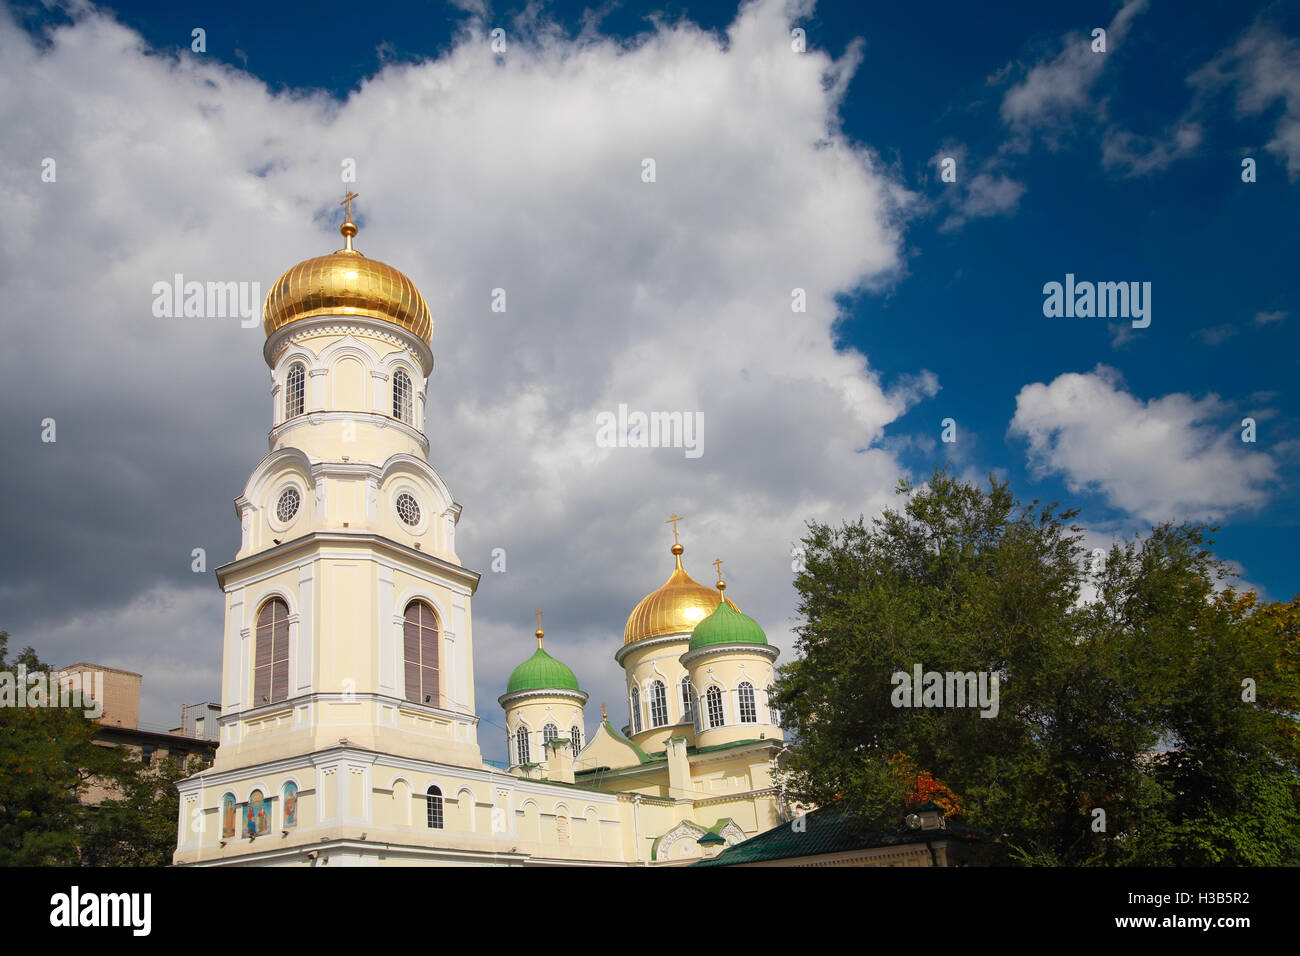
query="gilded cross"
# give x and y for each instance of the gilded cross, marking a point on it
(718, 564)
(539, 619)
(673, 521)
(347, 201)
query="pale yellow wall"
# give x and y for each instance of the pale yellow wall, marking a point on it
(534, 713)
(727, 670)
(642, 667)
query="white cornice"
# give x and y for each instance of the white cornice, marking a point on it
(282, 553)
(378, 419)
(760, 650)
(505, 700)
(678, 637)
(343, 324)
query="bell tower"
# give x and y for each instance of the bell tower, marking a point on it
(347, 608)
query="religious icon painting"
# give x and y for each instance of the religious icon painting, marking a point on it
(227, 816)
(290, 804)
(257, 816)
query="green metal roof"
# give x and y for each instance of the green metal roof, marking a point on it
(825, 830)
(726, 625)
(541, 672)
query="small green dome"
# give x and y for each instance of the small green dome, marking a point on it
(539, 672)
(726, 626)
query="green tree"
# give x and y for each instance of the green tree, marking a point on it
(47, 757)
(966, 579)
(138, 827)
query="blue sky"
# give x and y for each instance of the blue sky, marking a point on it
(1115, 166)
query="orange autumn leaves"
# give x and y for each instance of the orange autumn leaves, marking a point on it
(923, 787)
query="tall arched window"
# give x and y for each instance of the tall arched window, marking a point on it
(521, 746)
(402, 393)
(434, 796)
(688, 710)
(549, 733)
(658, 704)
(748, 711)
(773, 715)
(420, 652)
(271, 654)
(714, 699)
(636, 710)
(575, 735)
(295, 390)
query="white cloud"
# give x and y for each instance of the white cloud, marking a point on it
(1169, 458)
(1268, 318)
(1263, 66)
(1054, 91)
(1216, 334)
(1139, 155)
(473, 175)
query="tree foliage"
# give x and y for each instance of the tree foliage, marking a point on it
(48, 761)
(1121, 683)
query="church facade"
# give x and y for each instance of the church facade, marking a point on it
(348, 732)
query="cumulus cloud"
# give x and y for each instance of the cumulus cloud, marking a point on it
(1170, 458)
(1268, 318)
(476, 172)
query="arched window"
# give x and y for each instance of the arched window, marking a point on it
(658, 704)
(687, 708)
(402, 393)
(575, 735)
(773, 715)
(420, 652)
(549, 733)
(434, 796)
(295, 391)
(636, 710)
(228, 816)
(271, 655)
(521, 746)
(748, 711)
(714, 699)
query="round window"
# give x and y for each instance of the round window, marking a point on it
(408, 509)
(287, 506)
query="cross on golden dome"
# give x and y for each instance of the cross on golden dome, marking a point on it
(673, 521)
(349, 228)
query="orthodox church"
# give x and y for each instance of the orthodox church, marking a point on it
(348, 734)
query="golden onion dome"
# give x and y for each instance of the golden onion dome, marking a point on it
(678, 606)
(346, 283)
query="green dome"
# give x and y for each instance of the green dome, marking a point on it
(726, 626)
(539, 672)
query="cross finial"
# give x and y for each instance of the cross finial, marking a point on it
(539, 619)
(603, 715)
(347, 201)
(349, 228)
(717, 563)
(673, 521)
(539, 633)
